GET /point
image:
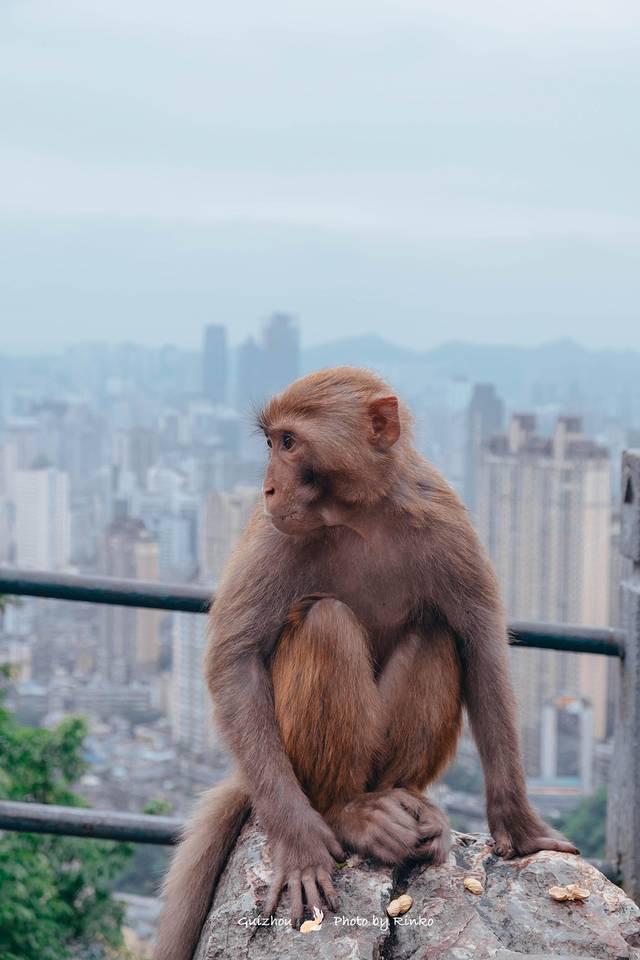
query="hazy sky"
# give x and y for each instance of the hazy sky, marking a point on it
(425, 170)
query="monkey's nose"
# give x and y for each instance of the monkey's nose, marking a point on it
(269, 491)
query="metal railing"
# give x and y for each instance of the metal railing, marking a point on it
(82, 822)
(183, 598)
(623, 823)
(180, 598)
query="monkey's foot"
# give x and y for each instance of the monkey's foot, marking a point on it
(435, 840)
(520, 838)
(392, 826)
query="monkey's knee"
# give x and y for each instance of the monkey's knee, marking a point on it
(326, 699)
(327, 618)
(319, 633)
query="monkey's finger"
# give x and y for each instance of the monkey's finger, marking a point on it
(427, 831)
(336, 851)
(389, 850)
(405, 837)
(394, 812)
(414, 805)
(311, 892)
(435, 851)
(295, 898)
(273, 895)
(328, 889)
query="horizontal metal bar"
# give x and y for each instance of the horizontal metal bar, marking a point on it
(109, 590)
(80, 822)
(571, 638)
(188, 599)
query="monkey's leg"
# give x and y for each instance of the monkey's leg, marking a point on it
(326, 708)
(420, 688)
(326, 700)
(331, 719)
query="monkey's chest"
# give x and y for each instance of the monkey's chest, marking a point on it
(377, 591)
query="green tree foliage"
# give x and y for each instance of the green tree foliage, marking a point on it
(55, 892)
(585, 825)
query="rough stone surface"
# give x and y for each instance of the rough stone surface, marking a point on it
(513, 917)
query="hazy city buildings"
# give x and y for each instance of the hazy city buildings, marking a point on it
(281, 339)
(191, 723)
(163, 469)
(485, 418)
(267, 365)
(544, 514)
(130, 637)
(42, 519)
(215, 364)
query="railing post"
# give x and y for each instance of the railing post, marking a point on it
(623, 819)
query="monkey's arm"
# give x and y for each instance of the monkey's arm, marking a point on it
(468, 596)
(248, 614)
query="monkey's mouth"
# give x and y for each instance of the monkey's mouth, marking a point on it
(283, 517)
(290, 523)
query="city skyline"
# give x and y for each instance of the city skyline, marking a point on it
(145, 463)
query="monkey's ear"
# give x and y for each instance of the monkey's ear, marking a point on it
(385, 422)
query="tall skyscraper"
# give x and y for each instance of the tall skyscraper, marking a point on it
(42, 519)
(281, 341)
(191, 715)
(130, 637)
(266, 366)
(251, 384)
(215, 364)
(543, 509)
(485, 417)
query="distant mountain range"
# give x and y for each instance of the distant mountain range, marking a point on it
(558, 372)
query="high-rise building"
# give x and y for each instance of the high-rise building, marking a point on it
(191, 715)
(485, 417)
(130, 637)
(266, 366)
(543, 509)
(251, 383)
(281, 340)
(224, 517)
(42, 519)
(142, 452)
(215, 364)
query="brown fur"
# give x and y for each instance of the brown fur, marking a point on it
(357, 616)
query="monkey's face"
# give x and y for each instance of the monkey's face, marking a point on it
(293, 491)
(329, 452)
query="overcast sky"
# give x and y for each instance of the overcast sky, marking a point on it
(424, 170)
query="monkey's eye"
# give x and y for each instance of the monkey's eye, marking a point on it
(288, 440)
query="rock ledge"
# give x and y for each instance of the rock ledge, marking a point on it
(513, 917)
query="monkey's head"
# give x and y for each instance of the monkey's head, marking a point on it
(335, 438)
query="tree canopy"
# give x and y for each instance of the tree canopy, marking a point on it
(56, 891)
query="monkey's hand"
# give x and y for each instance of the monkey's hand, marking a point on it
(393, 826)
(522, 832)
(304, 864)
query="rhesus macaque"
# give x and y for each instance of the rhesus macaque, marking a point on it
(357, 617)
